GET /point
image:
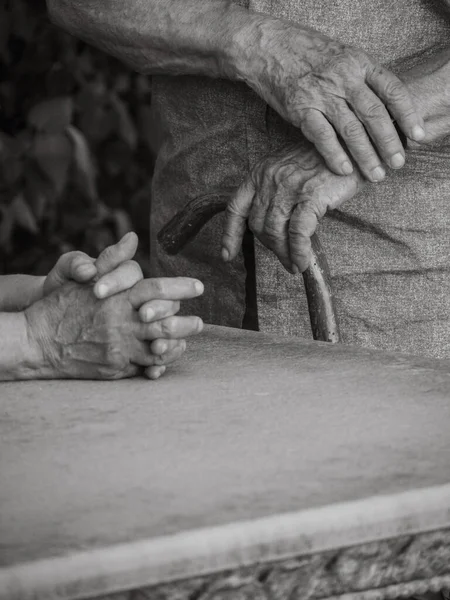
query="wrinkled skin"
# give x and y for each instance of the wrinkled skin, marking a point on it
(327, 88)
(283, 198)
(288, 191)
(79, 336)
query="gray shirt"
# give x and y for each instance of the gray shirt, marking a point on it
(388, 248)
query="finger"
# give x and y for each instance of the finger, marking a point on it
(161, 346)
(276, 226)
(122, 278)
(399, 101)
(317, 129)
(165, 288)
(171, 327)
(372, 112)
(76, 266)
(145, 358)
(236, 215)
(359, 145)
(153, 310)
(302, 225)
(170, 356)
(155, 372)
(112, 256)
(82, 268)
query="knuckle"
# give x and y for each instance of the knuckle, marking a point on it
(353, 130)
(374, 111)
(288, 177)
(255, 225)
(168, 326)
(272, 232)
(389, 139)
(115, 359)
(395, 90)
(233, 208)
(323, 134)
(158, 286)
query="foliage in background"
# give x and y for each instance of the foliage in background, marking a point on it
(76, 153)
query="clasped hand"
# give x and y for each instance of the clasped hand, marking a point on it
(99, 319)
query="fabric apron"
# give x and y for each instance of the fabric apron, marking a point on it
(388, 248)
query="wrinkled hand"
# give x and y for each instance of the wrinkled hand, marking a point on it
(79, 336)
(114, 271)
(283, 198)
(328, 89)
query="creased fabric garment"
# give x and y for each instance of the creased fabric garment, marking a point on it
(388, 248)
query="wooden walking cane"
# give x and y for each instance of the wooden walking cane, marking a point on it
(186, 224)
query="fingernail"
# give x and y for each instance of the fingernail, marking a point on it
(347, 168)
(149, 314)
(378, 174)
(102, 290)
(418, 133)
(86, 269)
(200, 325)
(183, 345)
(163, 347)
(126, 236)
(295, 269)
(397, 160)
(225, 255)
(160, 371)
(199, 287)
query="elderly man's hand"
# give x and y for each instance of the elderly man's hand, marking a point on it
(78, 336)
(337, 95)
(283, 198)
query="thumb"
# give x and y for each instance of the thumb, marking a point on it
(72, 266)
(236, 216)
(113, 256)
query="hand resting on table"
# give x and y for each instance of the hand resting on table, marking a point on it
(99, 319)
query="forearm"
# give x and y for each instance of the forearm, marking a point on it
(17, 292)
(161, 36)
(18, 357)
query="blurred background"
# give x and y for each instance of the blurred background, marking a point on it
(76, 145)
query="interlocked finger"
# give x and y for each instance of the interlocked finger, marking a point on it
(170, 328)
(154, 310)
(122, 278)
(165, 288)
(161, 346)
(112, 256)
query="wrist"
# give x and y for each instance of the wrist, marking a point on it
(260, 45)
(20, 357)
(238, 41)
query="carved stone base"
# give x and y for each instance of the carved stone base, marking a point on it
(381, 570)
